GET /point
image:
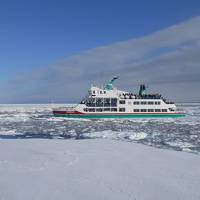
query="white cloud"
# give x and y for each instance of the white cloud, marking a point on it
(167, 59)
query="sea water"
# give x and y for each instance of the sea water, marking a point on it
(37, 121)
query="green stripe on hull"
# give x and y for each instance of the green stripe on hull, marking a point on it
(120, 116)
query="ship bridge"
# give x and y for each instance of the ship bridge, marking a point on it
(107, 91)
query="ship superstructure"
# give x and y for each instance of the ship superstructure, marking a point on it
(109, 102)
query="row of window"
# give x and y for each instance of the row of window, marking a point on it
(122, 110)
(101, 102)
(101, 92)
(149, 110)
(142, 102)
(146, 102)
(100, 109)
(112, 102)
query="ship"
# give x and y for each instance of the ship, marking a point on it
(109, 102)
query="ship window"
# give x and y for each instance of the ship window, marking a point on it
(157, 102)
(122, 102)
(93, 91)
(99, 110)
(143, 102)
(100, 92)
(150, 110)
(150, 102)
(136, 102)
(104, 92)
(157, 110)
(106, 109)
(143, 110)
(113, 109)
(113, 102)
(90, 102)
(99, 102)
(121, 109)
(85, 109)
(136, 110)
(107, 102)
(91, 109)
(164, 110)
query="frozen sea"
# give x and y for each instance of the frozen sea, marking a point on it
(48, 158)
(37, 121)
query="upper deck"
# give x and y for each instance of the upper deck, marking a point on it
(113, 92)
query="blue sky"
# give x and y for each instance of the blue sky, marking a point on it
(36, 34)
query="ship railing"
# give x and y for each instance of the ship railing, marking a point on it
(147, 96)
(138, 97)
